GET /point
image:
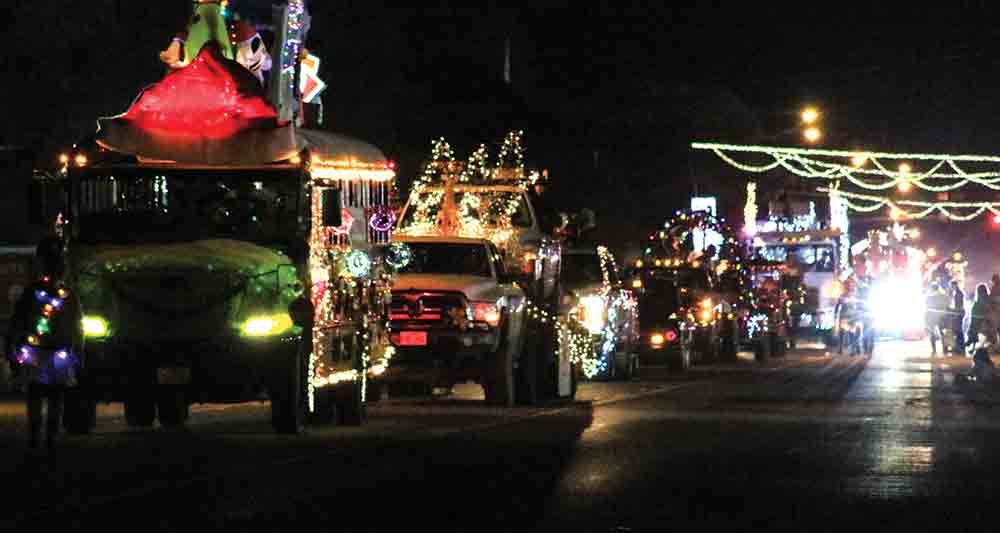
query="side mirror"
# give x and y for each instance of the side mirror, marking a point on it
(301, 312)
(298, 251)
(331, 208)
(549, 222)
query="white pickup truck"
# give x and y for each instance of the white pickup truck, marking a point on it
(457, 315)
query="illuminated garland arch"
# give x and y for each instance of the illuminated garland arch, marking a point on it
(914, 208)
(867, 170)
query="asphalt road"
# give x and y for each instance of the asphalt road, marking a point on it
(809, 442)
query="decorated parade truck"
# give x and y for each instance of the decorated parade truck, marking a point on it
(814, 248)
(481, 303)
(221, 251)
(700, 257)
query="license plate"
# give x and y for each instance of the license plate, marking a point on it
(413, 338)
(173, 376)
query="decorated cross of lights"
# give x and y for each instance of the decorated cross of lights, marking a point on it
(480, 211)
(899, 209)
(874, 171)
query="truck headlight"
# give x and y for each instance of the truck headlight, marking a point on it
(591, 313)
(833, 290)
(94, 326)
(486, 312)
(266, 325)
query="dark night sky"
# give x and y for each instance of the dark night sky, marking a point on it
(632, 81)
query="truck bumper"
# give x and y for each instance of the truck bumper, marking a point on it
(449, 357)
(212, 370)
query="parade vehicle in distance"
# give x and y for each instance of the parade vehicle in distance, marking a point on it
(766, 313)
(703, 256)
(519, 346)
(221, 252)
(665, 334)
(595, 296)
(895, 270)
(813, 255)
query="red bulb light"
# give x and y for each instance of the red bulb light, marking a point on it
(996, 219)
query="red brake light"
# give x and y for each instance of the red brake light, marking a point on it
(670, 335)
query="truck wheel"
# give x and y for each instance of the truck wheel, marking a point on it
(140, 410)
(351, 409)
(527, 376)
(80, 412)
(325, 409)
(680, 360)
(626, 371)
(499, 383)
(172, 406)
(779, 347)
(762, 349)
(288, 399)
(572, 381)
(729, 351)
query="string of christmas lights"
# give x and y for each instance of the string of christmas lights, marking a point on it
(898, 207)
(750, 210)
(853, 166)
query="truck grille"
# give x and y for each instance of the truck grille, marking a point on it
(425, 310)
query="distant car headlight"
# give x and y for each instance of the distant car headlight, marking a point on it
(94, 326)
(266, 325)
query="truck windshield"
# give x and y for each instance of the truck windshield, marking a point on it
(578, 269)
(808, 258)
(488, 208)
(659, 300)
(163, 209)
(448, 258)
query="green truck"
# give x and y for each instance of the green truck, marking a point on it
(213, 283)
(223, 250)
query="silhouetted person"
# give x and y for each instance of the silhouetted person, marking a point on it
(957, 309)
(981, 319)
(43, 342)
(936, 305)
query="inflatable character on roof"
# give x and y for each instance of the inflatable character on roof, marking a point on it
(250, 49)
(207, 25)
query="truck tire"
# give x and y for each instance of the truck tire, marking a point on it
(351, 409)
(777, 344)
(626, 371)
(729, 350)
(499, 385)
(288, 398)
(679, 361)
(325, 409)
(79, 412)
(762, 349)
(527, 374)
(572, 381)
(140, 409)
(172, 406)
